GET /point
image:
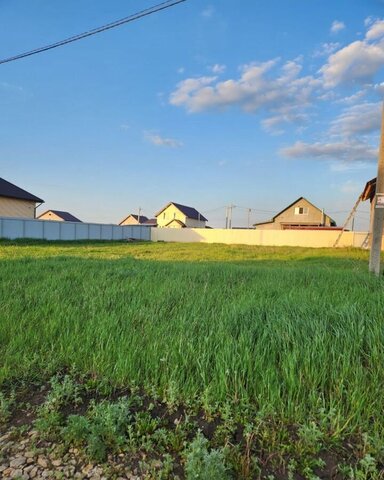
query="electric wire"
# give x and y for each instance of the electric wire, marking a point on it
(94, 31)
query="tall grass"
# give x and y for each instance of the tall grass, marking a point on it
(232, 323)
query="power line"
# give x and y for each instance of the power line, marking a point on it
(94, 31)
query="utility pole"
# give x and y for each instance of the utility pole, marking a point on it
(249, 216)
(226, 217)
(230, 208)
(378, 209)
(138, 217)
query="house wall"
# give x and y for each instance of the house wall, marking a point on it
(13, 207)
(51, 216)
(192, 223)
(169, 214)
(314, 216)
(174, 224)
(130, 221)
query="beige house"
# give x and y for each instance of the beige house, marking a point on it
(133, 219)
(175, 215)
(58, 216)
(299, 214)
(16, 202)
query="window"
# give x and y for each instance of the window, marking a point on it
(301, 210)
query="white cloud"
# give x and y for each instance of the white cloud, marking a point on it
(160, 141)
(125, 126)
(358, 61)
(344, 150)
(326, 49)
(283, 94)
(368, 21)
(358, 119)
(271, 124)
(337, 26)
(379, 88)
(181, 70)
(376, 30)
(351, 99)
(217, 68)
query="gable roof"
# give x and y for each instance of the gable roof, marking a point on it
(289, 206)
(66, 216)
(179, 222)
(8, 189)
(369, 190)
(189, 212)
(143, 218)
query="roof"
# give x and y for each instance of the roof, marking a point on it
(189, 212)
(143, 218)
(8, 189)
(66, 216)
(182, 225)
(289, 206)
(150, 221)
(369, 190)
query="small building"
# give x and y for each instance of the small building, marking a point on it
(133, 219)
(175, 215)
(299, 214)
(58, 216)
(16, 202)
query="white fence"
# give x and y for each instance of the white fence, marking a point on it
(14, 228)
(296, 238)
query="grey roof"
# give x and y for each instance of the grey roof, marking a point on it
(190, 212)
(143, 218)
(66, 216)
(150, 221)
(8, 189)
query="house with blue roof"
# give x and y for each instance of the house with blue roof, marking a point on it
(175, 215)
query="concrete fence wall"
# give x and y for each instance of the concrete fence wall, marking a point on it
(14, 228)
(297, 238)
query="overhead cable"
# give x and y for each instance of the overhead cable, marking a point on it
(94, 31)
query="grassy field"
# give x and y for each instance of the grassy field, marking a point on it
(289, 336)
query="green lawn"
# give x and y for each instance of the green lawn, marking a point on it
(291, 333)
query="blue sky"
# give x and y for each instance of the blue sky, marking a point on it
(206, 104)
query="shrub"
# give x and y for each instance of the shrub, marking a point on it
(202, 464)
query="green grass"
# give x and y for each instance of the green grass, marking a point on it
(292, 332)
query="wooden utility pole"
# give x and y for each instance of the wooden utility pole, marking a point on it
(378, 209)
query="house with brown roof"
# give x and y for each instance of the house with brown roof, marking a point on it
(58, 216)
(175, 215)
(16, 202)
(299, 214)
